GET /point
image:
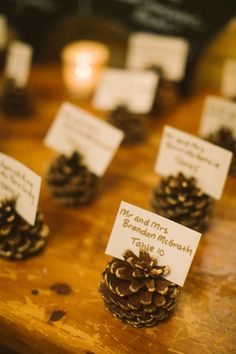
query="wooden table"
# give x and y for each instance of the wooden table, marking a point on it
(204, 319)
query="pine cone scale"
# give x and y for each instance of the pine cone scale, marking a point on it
(133, 303)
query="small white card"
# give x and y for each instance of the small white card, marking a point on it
(217, 113)
(3, 32)
(183, 152)
(170, 243)
(168, 53)
(228, 84)
(76, 129)
(135, 89)
(19, 181)
(19, 62)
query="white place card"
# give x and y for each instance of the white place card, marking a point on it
(19, 181)
(76, 129)
(168, 53)
(19, 62)
(170, 243)
(217, 113)
(228, 83)
(3, 31)
(135, 89)
(183, 152)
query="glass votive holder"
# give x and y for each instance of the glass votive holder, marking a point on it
(83, 64)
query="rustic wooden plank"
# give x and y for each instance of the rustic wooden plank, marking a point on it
(204, 320)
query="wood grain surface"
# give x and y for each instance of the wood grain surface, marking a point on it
(204, 320)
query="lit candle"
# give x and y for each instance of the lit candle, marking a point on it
(83, 63)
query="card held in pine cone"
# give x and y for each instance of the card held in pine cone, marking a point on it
(74, 129)
(217, 112)
(171, 243)
(23, 232)
(218, 125)
(193, 157)
(17, 180)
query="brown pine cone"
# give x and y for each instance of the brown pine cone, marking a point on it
(15, 100)
(133, 125)
(18, 239)
(225, 139)
(134, 290)
(167, 97)
(167, 94)
(70, 181)
(178, 198)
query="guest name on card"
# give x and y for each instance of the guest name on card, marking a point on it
(18, 181)
(183, 152)
(75, 129)
(172, 244)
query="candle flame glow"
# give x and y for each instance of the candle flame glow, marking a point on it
(84, 57)
(83, 70)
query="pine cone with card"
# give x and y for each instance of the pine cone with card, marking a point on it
(133, 125)
(224, 138)
(179, 199)
(15, 100)
(135, 291)
(70, 181)
(18, 239)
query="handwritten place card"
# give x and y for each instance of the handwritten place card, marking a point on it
(76, 129)
(19, 181)
(3, 32)
(228, 84)
(169, 53)
(183, 152)
(217, 113)
(135, 89)
(19, 62)
(171, 243)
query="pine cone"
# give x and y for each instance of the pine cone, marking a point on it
(15, 100)
(70, 181)
(168, 92)
(178, 198)
(133, 125)
(18, 239)
(167, 96)
(225, 139)
(135, 292)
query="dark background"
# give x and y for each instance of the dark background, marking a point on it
(196, 20)
(37, 21)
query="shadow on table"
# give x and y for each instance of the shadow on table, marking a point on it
(4, 350)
